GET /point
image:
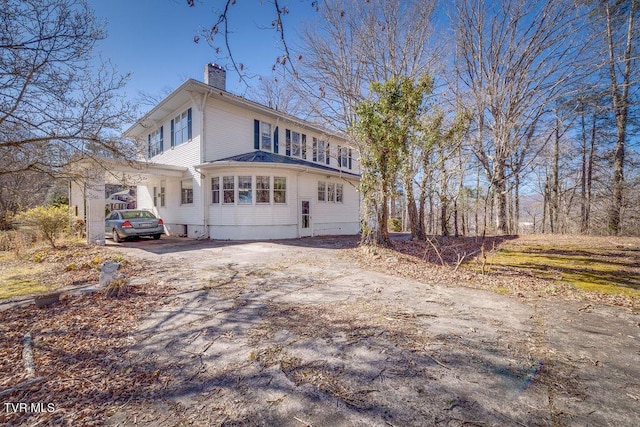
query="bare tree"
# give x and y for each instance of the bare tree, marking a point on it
(514, 57)
(55, 107)
(620, 35)
(278, 93)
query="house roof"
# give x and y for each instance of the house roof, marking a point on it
(190, 90)
(267, 157)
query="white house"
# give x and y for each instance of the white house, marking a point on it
(222, 167)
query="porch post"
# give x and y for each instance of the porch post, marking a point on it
(95, 202)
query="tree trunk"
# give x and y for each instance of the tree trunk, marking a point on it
(413, 217)
(500, 192)
(620, 99)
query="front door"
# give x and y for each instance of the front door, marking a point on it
(305, 218)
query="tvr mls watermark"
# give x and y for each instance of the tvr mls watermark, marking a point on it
(29, 408)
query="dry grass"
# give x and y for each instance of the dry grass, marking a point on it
(597, 269)
(37, 268)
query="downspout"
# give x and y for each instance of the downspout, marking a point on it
(203, 155)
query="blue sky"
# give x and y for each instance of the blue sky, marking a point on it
(154, 39)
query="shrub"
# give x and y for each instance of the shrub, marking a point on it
(49, 221)
(395, 224)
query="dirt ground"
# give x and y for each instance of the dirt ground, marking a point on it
(295, 333)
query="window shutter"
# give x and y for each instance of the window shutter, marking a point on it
(173, 135)
(189, 131)
(288, 142)
(161, 140)
(275, 140)
(303, 149)
(328, 161)
(350, 155)
(256, 134)
(315, 149)
(339, 156)
(149, 146)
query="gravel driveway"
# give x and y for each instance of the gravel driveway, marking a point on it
(291, 333)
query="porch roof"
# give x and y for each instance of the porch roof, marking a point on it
(274, 159)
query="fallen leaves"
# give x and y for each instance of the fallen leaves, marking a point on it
(81, 350)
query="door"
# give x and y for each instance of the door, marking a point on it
(305, 218)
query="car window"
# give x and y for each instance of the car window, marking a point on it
(137, 214)
(114, 215)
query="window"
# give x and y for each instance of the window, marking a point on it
(186, 191)
(155, 196)
(327, 154)
(244, 190)
(321, 152)
(295, 144)
(262, 189)
(331, 192)
(215, 189)
(287, 134)
(279, 189)
(265, 136)
(155, 140)
(181, 128)
(161, 194)
(228, 189)
(343, 157)
(321, 191)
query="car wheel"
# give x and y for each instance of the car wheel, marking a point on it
(156, 236)
(116, 237)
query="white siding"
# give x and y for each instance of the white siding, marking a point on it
(271, 221)
(229, 130)
(188, 154)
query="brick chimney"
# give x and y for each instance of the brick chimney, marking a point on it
(216, 76)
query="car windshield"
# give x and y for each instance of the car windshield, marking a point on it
(137, 214)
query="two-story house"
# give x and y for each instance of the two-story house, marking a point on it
(241, 170)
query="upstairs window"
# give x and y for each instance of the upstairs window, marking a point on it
(318, 151)
(295, 144)
(344, 157)
(181, 128)
(265, 136)
(155, 142)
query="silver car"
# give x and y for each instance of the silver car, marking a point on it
(125, 223)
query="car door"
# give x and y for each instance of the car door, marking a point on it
(108, 222)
